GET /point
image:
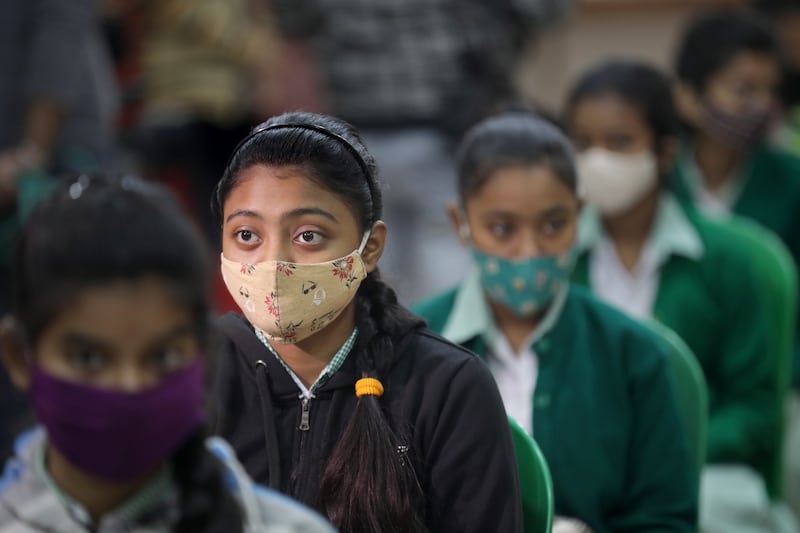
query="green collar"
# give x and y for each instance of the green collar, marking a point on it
(472, 317)
(151, 496)
(672, 233)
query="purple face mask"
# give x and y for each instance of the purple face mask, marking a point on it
(119, 436)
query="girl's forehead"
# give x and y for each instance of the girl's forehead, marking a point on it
(122, 311)
(273, 192)
(524, 186)
(278, 185)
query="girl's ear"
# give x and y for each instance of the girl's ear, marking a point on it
(373, 249)
(688, 104)
(461, 226)
(12, 353)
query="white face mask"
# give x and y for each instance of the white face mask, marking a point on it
(290, 302)
(615, 182)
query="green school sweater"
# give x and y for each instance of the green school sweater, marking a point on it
(770, 195)
(713, 303)
(605, 417)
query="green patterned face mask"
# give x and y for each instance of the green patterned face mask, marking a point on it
(524, 286)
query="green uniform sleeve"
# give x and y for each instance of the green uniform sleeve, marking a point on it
(743, 420)
(661, 476)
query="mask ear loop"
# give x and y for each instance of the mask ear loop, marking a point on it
(364, 240)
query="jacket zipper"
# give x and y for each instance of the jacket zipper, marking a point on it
(300, 466)
(305, 413)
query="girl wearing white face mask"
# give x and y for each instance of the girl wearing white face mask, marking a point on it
(644, 253)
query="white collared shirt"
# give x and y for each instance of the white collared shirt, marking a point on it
(716, 203)
(635, 291)
(514, 373)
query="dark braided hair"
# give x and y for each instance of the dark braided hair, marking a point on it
(366, 486)
(64, 249)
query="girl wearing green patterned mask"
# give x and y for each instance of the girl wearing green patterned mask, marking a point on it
(519, 218)
(583, 379)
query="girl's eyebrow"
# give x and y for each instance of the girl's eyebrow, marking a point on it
(244, 213)
(79, 338)
(294, 213)
(557, 210)
(302, 211)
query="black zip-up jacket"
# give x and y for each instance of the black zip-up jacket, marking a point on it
(440, 396)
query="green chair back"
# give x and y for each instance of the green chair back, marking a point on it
(691, 389)
(775, 266)
(535, 483)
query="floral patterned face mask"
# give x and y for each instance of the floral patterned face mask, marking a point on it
(290, 302)
(525, 286)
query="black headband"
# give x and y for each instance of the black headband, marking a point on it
(319, 129)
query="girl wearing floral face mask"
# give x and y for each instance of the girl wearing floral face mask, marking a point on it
(108, 337)
(641, 251)
(584, 379)
(329, 390)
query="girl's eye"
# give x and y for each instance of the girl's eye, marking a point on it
(551, 227)
(501, 230)
(309, 237)
(246, 236)
(167, 359)
(87, 360)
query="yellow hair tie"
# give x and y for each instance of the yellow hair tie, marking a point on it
(369, 386)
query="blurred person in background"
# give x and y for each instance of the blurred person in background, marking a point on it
(205, 75)
(58, 100)
(110, 338)
(785, 16)
(729, 77)
(412, 75)
(644, 253)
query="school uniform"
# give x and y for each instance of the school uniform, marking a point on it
(765, 188)
(694, 276)
(439, 399)
(31, 501)
(600, 404)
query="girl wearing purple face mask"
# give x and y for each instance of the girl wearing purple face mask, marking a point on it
(107, 336)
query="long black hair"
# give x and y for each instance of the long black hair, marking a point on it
(512, 139)
(365, 486)
(94, 230)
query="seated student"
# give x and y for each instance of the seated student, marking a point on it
(592, 385)
(644, 253)
(331, 391)
(108, 336)
(728, 72)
